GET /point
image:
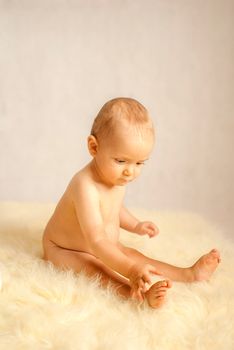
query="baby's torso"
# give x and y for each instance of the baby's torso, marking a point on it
(64, 229)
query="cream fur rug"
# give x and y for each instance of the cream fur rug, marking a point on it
(43, 308)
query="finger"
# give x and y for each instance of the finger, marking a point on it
(151, 234)
(134, 294)
(154, 228)
(137, 295)
(141, 292)
(156, 231)
(141, 284)
(151, 225)
(146, 288)
(140, 297)
(154, 271)
(146, 278)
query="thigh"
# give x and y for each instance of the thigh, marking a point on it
(80, 261)
(135, 255)
(128, 251)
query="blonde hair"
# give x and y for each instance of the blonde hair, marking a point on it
(117, 110)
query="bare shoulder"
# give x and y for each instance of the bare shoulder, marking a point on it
(85, 199)
(82, 184)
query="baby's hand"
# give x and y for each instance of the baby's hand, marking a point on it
(140, 275)
(146, 228)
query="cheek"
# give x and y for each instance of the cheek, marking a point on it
(138, 171)
(116, 168)
(112, 168)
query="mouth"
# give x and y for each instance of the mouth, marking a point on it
(125, 180)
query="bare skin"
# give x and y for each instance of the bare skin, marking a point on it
(202, 270)
(206, 265)
(83, 233)
(68, 259)
(157, 293)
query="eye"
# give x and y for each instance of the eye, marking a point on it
(120, 161)
(140, 163)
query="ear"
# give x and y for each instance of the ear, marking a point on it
(92, 145)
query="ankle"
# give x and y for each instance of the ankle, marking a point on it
(189, 274)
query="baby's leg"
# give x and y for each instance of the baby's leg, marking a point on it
(201, 270)
(156, 294)
(89, 264)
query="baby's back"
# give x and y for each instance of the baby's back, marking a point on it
(63, 228)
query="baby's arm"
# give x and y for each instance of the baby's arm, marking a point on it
(87, 205)
(130, 223)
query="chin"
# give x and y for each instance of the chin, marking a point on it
(122, 182)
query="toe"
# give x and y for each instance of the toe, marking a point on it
(166, 283)
(161, 293)
(161, 284)
(215, 251)
(215, 254)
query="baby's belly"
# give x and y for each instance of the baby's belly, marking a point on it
(112, 232)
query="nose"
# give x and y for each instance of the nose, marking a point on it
(128, 171)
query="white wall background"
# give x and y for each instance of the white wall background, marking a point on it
(61, 60)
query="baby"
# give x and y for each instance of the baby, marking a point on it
(83, 233)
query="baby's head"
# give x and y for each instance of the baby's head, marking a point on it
(122, 134)
(118, 114)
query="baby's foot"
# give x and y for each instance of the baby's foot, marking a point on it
(206, 265)
(156, 294)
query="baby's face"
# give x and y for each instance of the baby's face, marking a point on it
(121, 156)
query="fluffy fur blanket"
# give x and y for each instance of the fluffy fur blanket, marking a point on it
(43, 308)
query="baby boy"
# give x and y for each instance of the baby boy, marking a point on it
(83, 232)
